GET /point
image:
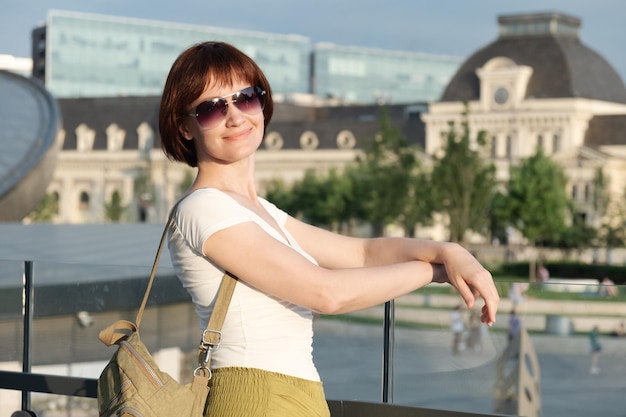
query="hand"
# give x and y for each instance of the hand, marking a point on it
(463, 271)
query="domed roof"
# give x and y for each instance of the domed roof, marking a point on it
(30, 123)
(562, 67)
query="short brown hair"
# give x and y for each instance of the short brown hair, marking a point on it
(202, 64)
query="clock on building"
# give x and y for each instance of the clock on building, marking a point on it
(501, 95)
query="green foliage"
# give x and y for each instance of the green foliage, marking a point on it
(45, 211)
(114, 209)
(282, 195)
(382, 176)
(420, 204)
(463, 183)
(537, 203)
(321, 199)
(383, 185)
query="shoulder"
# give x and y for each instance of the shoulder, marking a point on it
(278, 214)
(206, 211)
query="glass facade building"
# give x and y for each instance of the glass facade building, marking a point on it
(364, 75)
(90, 55)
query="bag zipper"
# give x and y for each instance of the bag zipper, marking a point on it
(135, 355)
(116, 399)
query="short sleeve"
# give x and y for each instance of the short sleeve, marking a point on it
(205, 212)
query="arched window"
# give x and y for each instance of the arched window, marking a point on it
(83, 204)
(55, 201)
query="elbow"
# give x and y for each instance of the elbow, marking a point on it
(329, 302)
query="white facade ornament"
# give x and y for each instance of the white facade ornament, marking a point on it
(346, 140)
(309, 140)
(115, 137)
(145, 136)
(85, 137)
(273, 141)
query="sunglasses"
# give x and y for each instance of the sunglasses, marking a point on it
(210, 113)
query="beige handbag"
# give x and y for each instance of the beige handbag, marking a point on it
(132, 385)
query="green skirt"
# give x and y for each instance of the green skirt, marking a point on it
(251, 392)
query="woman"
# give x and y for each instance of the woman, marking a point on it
(215, 108)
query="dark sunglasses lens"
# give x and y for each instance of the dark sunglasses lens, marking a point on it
(249, 100)
(210, 113)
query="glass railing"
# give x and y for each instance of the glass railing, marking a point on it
(547, 372)
(546, 367)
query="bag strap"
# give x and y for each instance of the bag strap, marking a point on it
(212, 335)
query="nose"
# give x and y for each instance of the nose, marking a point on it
(234, 116)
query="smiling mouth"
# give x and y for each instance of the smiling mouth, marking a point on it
(238, 135)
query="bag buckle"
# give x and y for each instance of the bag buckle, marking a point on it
(209, 339)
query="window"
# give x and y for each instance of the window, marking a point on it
(509, 147)
(83, 204)
(494, 147)
(556, 143)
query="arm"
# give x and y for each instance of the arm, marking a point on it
(462, 270)
(282, 272)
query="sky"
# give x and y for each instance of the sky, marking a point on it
(445, 27)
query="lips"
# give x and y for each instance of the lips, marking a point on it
(239, 135)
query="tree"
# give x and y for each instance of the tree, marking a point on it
(114, 208)
(463, 183)
(537, 202)
(321, 199)
(47, 208)
(611, 232)
(576, 236)
(420, 204)
(382, 176)
(537, 199)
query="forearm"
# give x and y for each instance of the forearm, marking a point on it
(385, 251)
(359, 288)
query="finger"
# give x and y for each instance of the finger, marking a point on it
(491, 307)
(466, 293)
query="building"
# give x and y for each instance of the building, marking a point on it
(30, 124)
(107, 144)
(364, 75)
(89, 55)
(535, 86)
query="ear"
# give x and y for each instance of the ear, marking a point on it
(184, 130)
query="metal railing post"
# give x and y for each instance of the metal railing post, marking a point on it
(388, 349)
(27, 319)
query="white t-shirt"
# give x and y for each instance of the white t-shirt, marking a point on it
(260, 331)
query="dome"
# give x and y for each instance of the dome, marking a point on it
(562, 66)
(30, 124)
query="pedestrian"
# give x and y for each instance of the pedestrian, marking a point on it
(516, 293)
(215, 109)
(474, 337)
(595, 348)
(514, 326)
(544, 274)
(457, 325)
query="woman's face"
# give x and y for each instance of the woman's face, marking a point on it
(226, 123)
